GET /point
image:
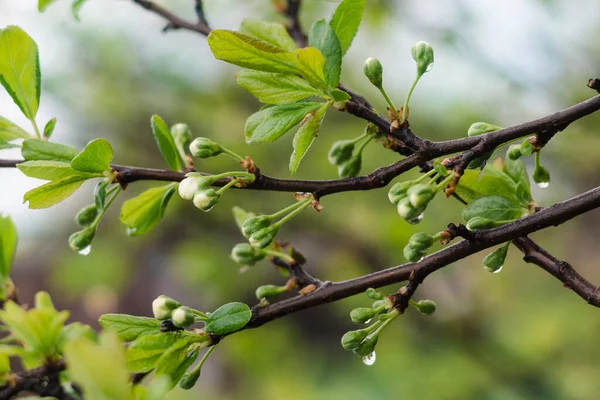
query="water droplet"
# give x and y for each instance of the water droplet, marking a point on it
(416, 220)
(543, 185)
(86, 251)
(494, 270)
(429, 67)
(369, 359)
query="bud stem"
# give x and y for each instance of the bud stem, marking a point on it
(229, 184)
(232, 154)
(201, 316)
(281, 255)
(114, 192)
(198, 367)
(443, 183)
(285, 210)
(390, 103)
(405, 107)
(363, 145)
(301, 206)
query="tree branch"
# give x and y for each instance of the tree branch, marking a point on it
(175, 22)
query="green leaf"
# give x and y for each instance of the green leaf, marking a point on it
(145, 351)
(43, 4)
(339, 95)
(346, 20)
(269, 124)
(228, 318)
(49, 128)
(99, 370)
(518, 173)
(95, 157)
(306, 135)
(53, 192)
(10, 131)
(323, 38)
(76, 8)
(4, 146)
(240, 215)
(245, 51)
(175, 362)
(129, 327)
(165, 142)
(273, 88)
(270, 32)
(491, 181)
(8, 244)
(53, 170)
(311, 65)
(35, 149)
(495, 208)
(142, 213)
(20, 69)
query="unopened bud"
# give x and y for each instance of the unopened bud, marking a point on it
(541, 176)
(413, 255)
(514, 152)
(494, 261)
(244, 254)
(163, 306)
(351, 167)
(420, 195)
(422, 53)
(362, 315)
(374, 71)
(367, 346)
(191, 185)
(183, 317)
(87, 215)
(263, 237)
(82, 239)
(351, 340)
(189, 379)
(206, 199)
(269, 291)
(406, 210)
(426, 307)
(204, 148)
(374, 294)
(398, 191)
(526, 148)
(421, 241)
(479, 128)
(341, 152)
(253, 224)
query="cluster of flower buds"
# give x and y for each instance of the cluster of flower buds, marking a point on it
(418, 245)
(347, 154)
(413, 197)
(165, 308)
(261, 229)
(196, 187)
(516, 151)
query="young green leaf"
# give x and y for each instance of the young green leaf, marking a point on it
(52, 170)
(53, 192)
(165, 142)
(175, 362)
(339, 95)
(4, 146)
(245, 51)
(311, 65)
(273, 88)
(10, 131)
(76, 8)
(306, 135)
(142, 213)
(323, 38)
(99, 369)
(270, 123)
(43, 4)
(346, 20)
(129, 327)
(270, 32)
(145, 351)
(95, 157)
(34, 149)
(49, 128)
(474, 185)
(228, 318)
(20, 69)
(495, 208)
(518, 173)
(8, 245)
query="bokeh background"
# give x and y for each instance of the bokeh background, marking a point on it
(513, 335)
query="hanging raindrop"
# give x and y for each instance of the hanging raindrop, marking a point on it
(369, 359)
(85, 251)
(416, 220)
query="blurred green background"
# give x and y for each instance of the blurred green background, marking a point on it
(513, 335)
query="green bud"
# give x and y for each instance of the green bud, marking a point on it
(244, 254)
(351, 340)
(182, 135)
(367, 346)
(383, 302)
(189, 379)
(421, 241)
(479, 223)
(514, 152)
(422, 53)
(425, 306)
(49, 128)
(206, 199)
(341, 152)
(269, 291)
(479, 128)
(362, 315)
(494, 261)
(204, 148)
(253, 224)
(526, 148)
(407, 211)
(420, 195)
(82, 239)
(263, 237)
(412, 254)
(398, 191)
(439, 168)
(163, 306)
(351, 167)
(183, 317)
(87, 215)
(374, 71)
(541, 176)
(374, 294)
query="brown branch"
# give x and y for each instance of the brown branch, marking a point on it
(292, 11)
(175, 22)
(43, 381)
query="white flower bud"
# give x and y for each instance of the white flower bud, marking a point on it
(189, 187)
(162, 307)
(183, 317)
(206, 199)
